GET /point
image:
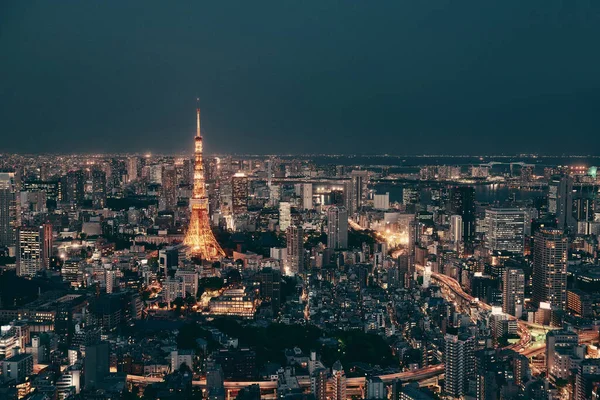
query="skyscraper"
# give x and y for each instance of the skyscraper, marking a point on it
(47, 243)
(462, 202)
(239, 197)
(168, 200)
(459, 362)
(295, 250)
(339, 381)
(73, 187)
(456, 230)
(356, 190)
(307, 196)
(550, 268)
(98, 178)
(560, 201)
(31, 254)
(505, 229)
(337, 228)
(199, 236)
(133, 168)
(9, 215)
(513, 291)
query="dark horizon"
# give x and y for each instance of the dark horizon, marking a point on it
(393, 77)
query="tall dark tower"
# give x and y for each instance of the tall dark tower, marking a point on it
(199, 236)
(462, 202)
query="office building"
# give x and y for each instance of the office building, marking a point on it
(462, 202)
(172, 289)
(587, 380)
(17, 368)
(460, 363)
(189, 281)
(72, 187)
(98, 187)
(375, 389)
(96, 364)
(410, 196)
(295, 251)
(505, 229)
(381, 201)
(270, 287)
(31, 253)
(513, 291)
(560, 201)
(550, 268)
(337, 228)
(239, 184)
(9, 212)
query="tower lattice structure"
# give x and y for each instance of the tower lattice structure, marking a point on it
(199, 236)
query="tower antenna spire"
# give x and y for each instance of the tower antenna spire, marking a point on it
(197, 117)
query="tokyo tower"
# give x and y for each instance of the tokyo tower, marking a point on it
(199, 237)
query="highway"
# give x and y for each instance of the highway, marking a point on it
(523, 346)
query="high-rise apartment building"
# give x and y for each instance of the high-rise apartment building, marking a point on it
(239, 197)
(550, 268)
(505, 229)
(339, 381)
(459, 362)
(285, 215)
(133, 168)
(337, 228)
(168, 200)
(513, 291)
(295, 250)
(307, 196)
(356, 191)
(558, 341)
(456, 229)
(9, 213)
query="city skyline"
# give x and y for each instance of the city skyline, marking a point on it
(383, 200)
(274, 78)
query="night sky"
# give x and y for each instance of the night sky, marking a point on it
(397, 77)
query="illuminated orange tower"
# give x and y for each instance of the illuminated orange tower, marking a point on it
(199, 237)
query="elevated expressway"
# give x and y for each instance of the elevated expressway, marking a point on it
(465, 300)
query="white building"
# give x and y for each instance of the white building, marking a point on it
(285, 215)
(381, 201)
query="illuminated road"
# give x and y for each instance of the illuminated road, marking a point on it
(523, 346)
(407, 376)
